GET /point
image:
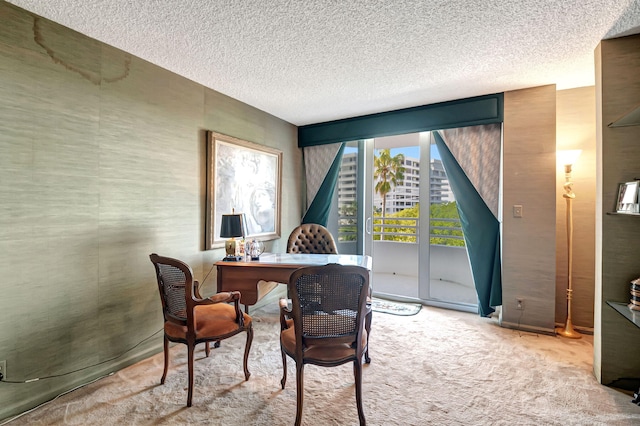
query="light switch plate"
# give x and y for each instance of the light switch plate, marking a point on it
(517, 210)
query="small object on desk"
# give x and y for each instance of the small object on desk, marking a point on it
(254, 249)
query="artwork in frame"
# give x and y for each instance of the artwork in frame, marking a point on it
(242, 177)
(628, 198)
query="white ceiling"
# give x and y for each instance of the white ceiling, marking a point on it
(309, 61)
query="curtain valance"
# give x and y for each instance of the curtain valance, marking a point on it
(486, 109)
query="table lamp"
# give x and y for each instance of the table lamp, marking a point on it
(232, 226)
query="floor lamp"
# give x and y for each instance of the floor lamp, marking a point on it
(568, 158)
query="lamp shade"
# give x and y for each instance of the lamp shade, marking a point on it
(233, 225)
(568, 157)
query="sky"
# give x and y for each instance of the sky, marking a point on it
(411, 151)
(414, 152)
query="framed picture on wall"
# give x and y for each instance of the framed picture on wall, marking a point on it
(628, 198)
(242, 177)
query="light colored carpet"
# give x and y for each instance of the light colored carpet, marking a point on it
(438, 367)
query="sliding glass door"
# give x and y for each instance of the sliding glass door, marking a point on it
(394, 236)
(386, 185)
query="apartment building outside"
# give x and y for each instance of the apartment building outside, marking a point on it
(404, 195)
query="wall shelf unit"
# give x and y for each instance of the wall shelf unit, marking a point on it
(623, 214)
(632, 118)
(623, 309)
(617, 240)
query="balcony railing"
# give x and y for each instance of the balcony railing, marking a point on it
(405, 229)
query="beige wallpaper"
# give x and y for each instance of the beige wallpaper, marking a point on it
(529, 174)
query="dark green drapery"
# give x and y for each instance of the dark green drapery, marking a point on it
(485, 109)
(318, 211)
(481, 232)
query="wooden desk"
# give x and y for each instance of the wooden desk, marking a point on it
(254, 279)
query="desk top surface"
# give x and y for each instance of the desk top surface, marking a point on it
(283, 259)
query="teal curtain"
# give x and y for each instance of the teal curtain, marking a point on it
(481, 232)
(318, 211)
(444, 115)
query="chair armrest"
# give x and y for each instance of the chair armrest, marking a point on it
(196, 289)
(224, 297)
(232, 296)
(285, 312)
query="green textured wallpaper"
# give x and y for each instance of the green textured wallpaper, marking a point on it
(102, 161)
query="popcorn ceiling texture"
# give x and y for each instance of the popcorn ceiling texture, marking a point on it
(309, 61)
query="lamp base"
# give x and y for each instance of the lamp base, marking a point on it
(568, 332)
(232, 258)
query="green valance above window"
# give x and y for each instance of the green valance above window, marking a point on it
(445, 115)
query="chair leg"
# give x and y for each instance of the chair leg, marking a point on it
(357, 372)
(190, 350)
(207, 349)
(367, 327)
(166, 360)
(299, 391)
(246, 353)
(284, 367)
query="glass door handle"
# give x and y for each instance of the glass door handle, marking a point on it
(367, 226)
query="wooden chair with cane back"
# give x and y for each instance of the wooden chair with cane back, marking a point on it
(312, 238)
(324, 323)
(191, 319)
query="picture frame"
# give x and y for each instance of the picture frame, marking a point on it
(627, 201)
(242, 177)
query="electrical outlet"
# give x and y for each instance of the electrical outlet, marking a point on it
(519, 304)
(3, 369)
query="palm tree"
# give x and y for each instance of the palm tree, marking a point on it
(388, 171)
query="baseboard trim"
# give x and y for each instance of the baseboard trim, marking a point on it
(528, 328)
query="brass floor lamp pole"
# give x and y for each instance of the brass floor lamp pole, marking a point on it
(569, 195)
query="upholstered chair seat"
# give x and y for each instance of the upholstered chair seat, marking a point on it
(210, 320)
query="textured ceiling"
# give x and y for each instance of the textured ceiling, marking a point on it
(308, 61)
